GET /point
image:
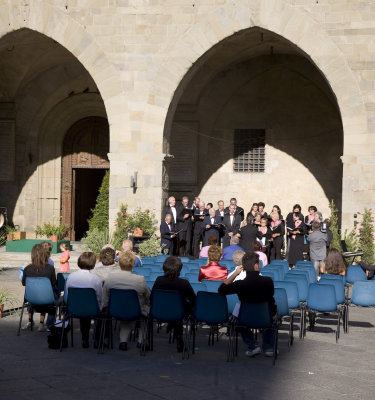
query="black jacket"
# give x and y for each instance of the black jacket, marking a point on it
(249, 234)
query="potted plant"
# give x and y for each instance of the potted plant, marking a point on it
(10, 231)
(7, 299)
(55, 230)
(151, 247)
(142, 223)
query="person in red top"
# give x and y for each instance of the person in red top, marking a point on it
(213, 271)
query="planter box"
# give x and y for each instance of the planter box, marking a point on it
(30, 235)
(137, 240)
(25, 245)
(19, 235)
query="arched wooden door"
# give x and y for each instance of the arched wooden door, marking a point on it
(85, 149)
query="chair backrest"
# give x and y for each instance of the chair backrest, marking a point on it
(212, 286)
(232, 300)
(355, 273)
(283, 263)
(148, 260)
(270, 273)
(39, 291)
(302, 283)
(161, 257)
(281, 300)
(144, 271)
(124, 304)
(166, 305)
(202, 261)
(211, 308)
(255, 315)
(309, 269)
(185, 259)
(339, 288)
(61, 280)
(291, 289)
(321, 297)
(304, 264)
(363, 294)
(82, 303)
(149, 284)
(198, 287)
(227, 263)
(331, 276)
(303, 272)
(278, 272)
(192, 277)
(154, 275)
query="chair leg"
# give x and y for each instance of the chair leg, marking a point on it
(193, 326)
(62, 332)
(20, 323)
(347, 318)
(102, 336)
(338, 327)
(71, 331)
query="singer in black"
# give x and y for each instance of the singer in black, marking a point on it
(277, 236)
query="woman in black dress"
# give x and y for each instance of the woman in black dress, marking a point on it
(277, 231)
(265, 235)
(296, 239)
(253, 211)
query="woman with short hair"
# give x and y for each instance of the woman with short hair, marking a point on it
(213, 271)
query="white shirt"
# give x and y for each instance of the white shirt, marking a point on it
(222, 213)
(86, 280)
(231, 219)
(174, 213)
(212, 221)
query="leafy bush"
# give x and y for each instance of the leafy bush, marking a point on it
(95, 240)
(351, 240)
(10, 229)
(122, 227)
(366, 236)
(150, 247)
(100, 213)
(53, 228)
(334, 220)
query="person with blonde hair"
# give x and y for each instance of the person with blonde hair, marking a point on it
(213, 271)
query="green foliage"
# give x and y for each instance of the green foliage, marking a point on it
(100, 213)
(48, 229)
(150, 247)
(334, 220)
(351, 240)
(8, 300)
(96, 238)
(366, 236)
(122, 227)
(10, 229)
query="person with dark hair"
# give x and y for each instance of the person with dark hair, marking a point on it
(277, 230)
(334, 263)
(209, 205)
(237, 210)
(48, 248)
(253, 289)
(171, 281)
(40, 267)
(254, 209)
(211, 226)
(261, 206)
(309, 219)
(232, 224)
(296, 235)
(257, 248)
(199, 216)
(291, 217)
(249, 233)
(257, 219)
(212, 240)
(107, 262)
(185, 226)
(317, 246)
(167, 235)
(84, 279)
(277, 209)
(213, 271)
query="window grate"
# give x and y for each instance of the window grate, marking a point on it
(249, 150)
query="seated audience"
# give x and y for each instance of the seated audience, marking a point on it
(253, 289)
(211, 241)
(369, 269)
(127, 246)
(237, 259)
(233, 246)
(125, 279)
(48, 248)
(213, 271)
(85, 280)
(107, 262)
(334, 263)
(40, 267)
(171, 281)
(257, 248)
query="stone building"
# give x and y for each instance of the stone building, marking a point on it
(264, 100)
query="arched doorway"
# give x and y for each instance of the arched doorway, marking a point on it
(84, 162)
(255, 119)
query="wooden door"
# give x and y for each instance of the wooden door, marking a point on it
(86, 145)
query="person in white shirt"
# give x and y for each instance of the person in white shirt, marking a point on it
(237, 259)
(84, 279)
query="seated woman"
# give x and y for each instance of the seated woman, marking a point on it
(84, 279)
(369, 269)
(204, 251)
(213, 271)
(40, 267)
(257, 248)
(171, 281)
(334, 263)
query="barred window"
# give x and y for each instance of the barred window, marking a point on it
(249, 151)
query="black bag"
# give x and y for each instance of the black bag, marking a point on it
(54, 338)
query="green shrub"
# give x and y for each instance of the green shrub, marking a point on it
(150, 247)
(100, 213)
(334, 220)
(96, 238)
(366, 236)
(351, 240)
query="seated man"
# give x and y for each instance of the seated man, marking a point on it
(107, 262)
(125, 279)
(127, 245)
(229, 250)
(253, 289)
(213, 271)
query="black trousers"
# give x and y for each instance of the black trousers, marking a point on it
(276, 248)
(366, 267)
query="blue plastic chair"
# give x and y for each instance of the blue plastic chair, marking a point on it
(283, 263)
(303, 272)
(150, 284)
(256, 316)
(228, 263)
(302, 283)
(167, 306)
(185, 260)
(154, 275)
(304, 264)
(363, 295)
(81, 303)
(211, 309)
(38, 292)
(281, 300)
(331, 276)
(322, 298)
(212, 286)
(355, 273)
(192, 277)
(161, 258)
(232, 300)
(124, 305)
(198, 287)
(277, 272)
(202, 261)
(148, 260)
(270, 274)
(309, 270)
(144, 271)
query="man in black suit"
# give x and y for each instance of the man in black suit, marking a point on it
(249, 234)
(184, 226)
(232, 225)
(170, 209)
(220, 212)
(199, 216)
(237, 210)
(167, 230)
(196, 204)
(208, 228)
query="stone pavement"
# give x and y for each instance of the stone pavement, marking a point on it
(315, 368)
